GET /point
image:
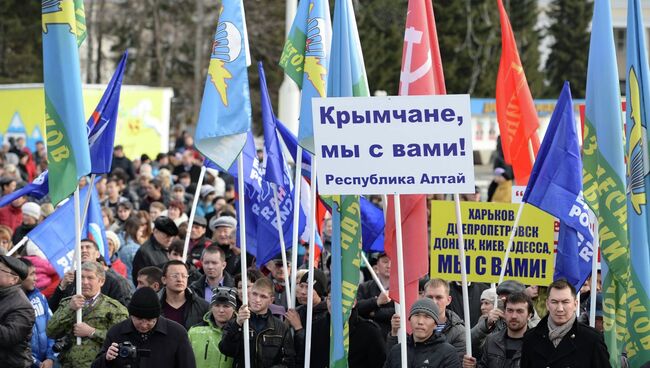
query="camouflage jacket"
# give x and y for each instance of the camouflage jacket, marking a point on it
(102, 314)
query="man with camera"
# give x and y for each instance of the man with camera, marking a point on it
(146, 339)
(99, 311)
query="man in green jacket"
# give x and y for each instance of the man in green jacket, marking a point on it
(205, 336)
(100, 313)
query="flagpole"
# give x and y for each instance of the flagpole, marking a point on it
(373, 274)
(283, 248)
(17, 246)
(77, 252)
(195, 202)
(297, 184)
(463, 270)
(84, 214)
(512, 238)
(242, 247)
(594, 278)
(400, 279)
(310, 279)
(531, 154)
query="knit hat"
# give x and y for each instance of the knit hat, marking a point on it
(224, 295)
(489, 295)
(144, 303)
(510, 287)
(226, 221)
(320, 282)
(110, 235)
(15, 265)
(31, 209)
(426, 306)
(166, 225)
(206, 190)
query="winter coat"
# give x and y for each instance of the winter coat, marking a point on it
(454, 332)
(41, 344)
(151, 253)
(272, 346)
(167, 345)
(582, 346)
(115, 287)
(102, 314)
(126, 254)
(320, 336)
(474, 291)
(432, 353)
(198, 286)
(16, 321)
(205, 338)
(493, 352)
(195, 307)
(367, 306)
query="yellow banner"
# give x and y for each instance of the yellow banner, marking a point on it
(486, 231)
(142, 121)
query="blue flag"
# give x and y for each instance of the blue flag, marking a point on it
(372, 226)
(274, 160)
(36, 189)
(102, 123)
(56, 240)
(555, 186)
(225, 114)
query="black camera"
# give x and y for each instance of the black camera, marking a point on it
(126, 350)
(62, 344)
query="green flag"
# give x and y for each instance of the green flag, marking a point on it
(80, 16)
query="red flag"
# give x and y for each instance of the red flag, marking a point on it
(421, 75)
(516, 113)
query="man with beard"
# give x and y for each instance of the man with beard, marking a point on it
(502, 349)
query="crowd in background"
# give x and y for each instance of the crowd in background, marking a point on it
(146, 307)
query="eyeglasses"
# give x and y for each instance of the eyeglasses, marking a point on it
(178, 276)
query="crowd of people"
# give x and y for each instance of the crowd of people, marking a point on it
(146, 307)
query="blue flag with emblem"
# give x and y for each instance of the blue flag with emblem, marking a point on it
(102, 123)
(68, 155)
(638, 181)
(36, 189)
(225, 114)
(54, 238)
(555, 186)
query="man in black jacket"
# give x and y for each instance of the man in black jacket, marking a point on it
(425, 347)
(271, 344)
(371, 302)
(502, 349)
(559, 340)
(157, 341)
(154, 251)
(16, 315)
(179, 303)
(213, 261)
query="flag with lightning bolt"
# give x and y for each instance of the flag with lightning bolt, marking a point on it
(225, 114)
(305, 59)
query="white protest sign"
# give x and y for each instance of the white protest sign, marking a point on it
(393, 144)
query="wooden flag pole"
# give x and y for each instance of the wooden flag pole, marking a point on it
(195, 203)
(400, 278)
(297, 184)
(463, 270)
(283, 249)
(310, 279)
(242, 247)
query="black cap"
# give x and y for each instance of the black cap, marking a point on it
(200, 220)
(166, 225)
(144, 303)
(15, 265)
(510, 287)
(320, 282)
(224, 295)
(374, 258)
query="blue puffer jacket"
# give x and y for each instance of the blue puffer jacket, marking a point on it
(41, 344)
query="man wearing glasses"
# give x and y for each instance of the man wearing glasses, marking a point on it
(178, 302)
(16, 315)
